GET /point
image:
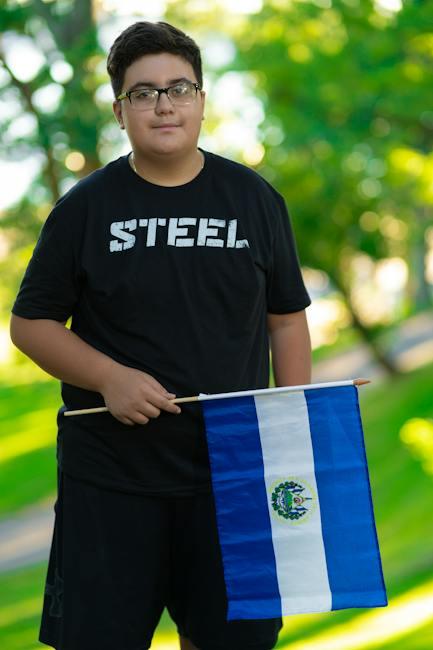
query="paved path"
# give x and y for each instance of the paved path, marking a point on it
(25, 538)
(411, 348)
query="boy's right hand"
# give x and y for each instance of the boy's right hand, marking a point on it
(133, 396)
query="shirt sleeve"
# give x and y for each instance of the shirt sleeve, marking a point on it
(51, 284)
(286, 291)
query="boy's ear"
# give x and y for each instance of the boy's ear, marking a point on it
(203, 96)
(117, 110)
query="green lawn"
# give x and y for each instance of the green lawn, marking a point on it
(402, 495)
(27, 443)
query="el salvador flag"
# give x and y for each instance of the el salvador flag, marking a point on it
(293, 502)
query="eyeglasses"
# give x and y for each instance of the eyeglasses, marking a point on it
(144, 99)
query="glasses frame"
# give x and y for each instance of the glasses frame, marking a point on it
(128, 93)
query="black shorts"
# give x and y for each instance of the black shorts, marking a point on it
(118, 559)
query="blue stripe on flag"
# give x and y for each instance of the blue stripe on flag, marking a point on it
(244, 526)
(349, 533)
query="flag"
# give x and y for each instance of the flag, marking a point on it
(293, 502)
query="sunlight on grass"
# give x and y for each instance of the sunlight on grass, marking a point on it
(417, 434)
(30, 437)
(26, 372)
(21, 640)
(165, 642)
(404, 615)
(295, 624)
(19, 611)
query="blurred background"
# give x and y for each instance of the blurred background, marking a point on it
(331, 101)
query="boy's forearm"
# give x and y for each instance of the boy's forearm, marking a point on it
(291, 349)
(131, 396)
(60, 352)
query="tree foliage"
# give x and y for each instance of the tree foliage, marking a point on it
(65, 32)
(349, 128)
(347, 132)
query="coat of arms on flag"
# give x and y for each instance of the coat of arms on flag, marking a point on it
(289, 500)
(293, 502)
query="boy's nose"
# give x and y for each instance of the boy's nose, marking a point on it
(164, 103)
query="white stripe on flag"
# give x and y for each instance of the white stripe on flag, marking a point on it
(299, 551)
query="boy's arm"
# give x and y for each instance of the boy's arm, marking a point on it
(291, 348)
(131, 396)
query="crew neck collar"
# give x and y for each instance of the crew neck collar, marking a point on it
(170, 188)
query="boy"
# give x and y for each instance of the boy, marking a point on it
(177, 266)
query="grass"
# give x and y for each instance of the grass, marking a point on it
(346, 340)
(402, 496)
(27, 443)
(20, 612)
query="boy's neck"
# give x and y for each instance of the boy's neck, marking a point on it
(168, 172)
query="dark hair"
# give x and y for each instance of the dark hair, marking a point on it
(143, 38)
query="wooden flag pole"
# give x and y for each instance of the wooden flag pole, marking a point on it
(244, 393)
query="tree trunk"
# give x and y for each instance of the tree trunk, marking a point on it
(378, 354)
(418, 287)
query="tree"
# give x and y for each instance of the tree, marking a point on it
(66, 33)
(347, 131)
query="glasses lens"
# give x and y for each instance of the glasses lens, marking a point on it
(182, 93)
(144, 98)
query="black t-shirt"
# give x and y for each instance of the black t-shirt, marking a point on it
(174, 281)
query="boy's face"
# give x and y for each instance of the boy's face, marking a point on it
(145, 128)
